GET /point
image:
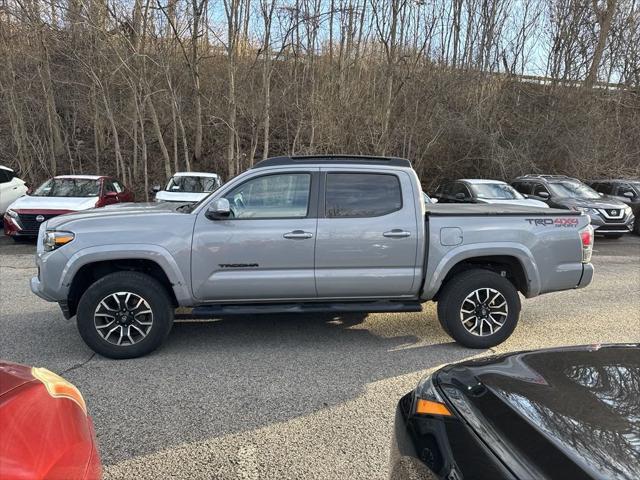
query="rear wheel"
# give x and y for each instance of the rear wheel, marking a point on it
(479, 308)
(125, 315)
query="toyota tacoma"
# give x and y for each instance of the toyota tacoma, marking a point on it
(306, 234)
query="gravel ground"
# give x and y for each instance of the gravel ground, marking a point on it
(275, 397)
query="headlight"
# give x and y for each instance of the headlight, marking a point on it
(586, 210)
(12, 213)
(53, 239)
(428, 400)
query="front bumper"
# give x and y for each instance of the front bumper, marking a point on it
(433, 447)
(603, 226)
(36, 287)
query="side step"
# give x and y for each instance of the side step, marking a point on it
(213, 311)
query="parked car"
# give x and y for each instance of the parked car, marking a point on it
(483, 191)
(60, 195)
(188, 187)
(307, 234)
(609, 217)
(557, 413)
(626, 191)
(11, 188)
(46, 432)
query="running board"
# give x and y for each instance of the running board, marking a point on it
(213, 311)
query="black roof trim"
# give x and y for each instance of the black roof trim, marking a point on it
(334, 159)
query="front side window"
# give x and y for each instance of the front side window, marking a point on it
(496, 191)
(573, 190)
(362, 195)
(192, 184)
(538, 189)
(272, 196)
(603, 188)
(68, 187)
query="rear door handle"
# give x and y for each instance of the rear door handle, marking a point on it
(396, 233)
(298, 235)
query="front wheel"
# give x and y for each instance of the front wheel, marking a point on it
(479, 308)
(125, 315)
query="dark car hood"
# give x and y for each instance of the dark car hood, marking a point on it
(577, 406)
(114, 211)
(603, 202)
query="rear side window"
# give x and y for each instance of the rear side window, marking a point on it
(362, 195)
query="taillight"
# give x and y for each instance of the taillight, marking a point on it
(586, 236)
(58, 387)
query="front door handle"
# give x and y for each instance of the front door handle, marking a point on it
(396, 233)
(298, 235)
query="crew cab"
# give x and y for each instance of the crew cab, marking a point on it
(60, 195)
(307, 234)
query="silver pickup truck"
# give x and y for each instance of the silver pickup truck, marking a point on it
(306, 234)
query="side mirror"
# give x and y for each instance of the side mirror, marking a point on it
(525, 195)
(219, 209)
(544, 195)
(628, 194)
(601, 194)
(156, 189)
(460, 196)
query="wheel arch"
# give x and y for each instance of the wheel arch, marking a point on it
(511, 261)
(84, 268)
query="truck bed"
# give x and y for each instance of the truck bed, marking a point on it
(490, 209)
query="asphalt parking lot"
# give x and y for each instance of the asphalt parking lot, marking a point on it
(283, 396)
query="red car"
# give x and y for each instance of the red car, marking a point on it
(59, 195)
(45, 430)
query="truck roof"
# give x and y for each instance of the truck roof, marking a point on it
(333, 159)
(481, 181)
(196, 174)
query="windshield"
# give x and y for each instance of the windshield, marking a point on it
(68, 187)
(573, 190)
(192, 184)
(496, 191)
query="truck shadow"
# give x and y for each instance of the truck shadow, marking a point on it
(241, 373)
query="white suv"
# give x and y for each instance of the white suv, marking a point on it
(11, 188)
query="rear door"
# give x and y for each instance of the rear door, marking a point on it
(266, 249)
(367, 234)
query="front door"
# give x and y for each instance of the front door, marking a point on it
(367, 237)
(265, 249)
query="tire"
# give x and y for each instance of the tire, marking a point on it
(142, 330)
(499, 319)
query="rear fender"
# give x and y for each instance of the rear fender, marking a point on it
(435, 277)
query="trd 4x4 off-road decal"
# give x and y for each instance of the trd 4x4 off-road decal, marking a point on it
(557, 222)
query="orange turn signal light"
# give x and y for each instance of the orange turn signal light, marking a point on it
(429, 407)
(58, 387)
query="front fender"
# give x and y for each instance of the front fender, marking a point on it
(154, 253)
(436, 274)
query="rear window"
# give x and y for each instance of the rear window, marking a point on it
(362, 194)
